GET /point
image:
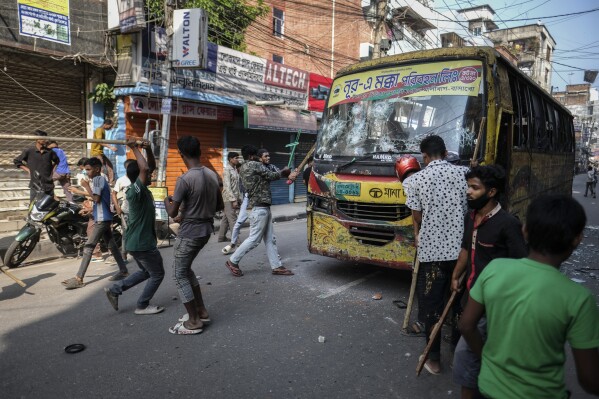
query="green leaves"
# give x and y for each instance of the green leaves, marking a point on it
(102, 94)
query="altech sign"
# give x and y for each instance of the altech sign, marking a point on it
(190, 48)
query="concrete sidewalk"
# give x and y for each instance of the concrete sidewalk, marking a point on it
(45, 249)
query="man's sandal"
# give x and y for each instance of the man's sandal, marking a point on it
(281, 271)
(234, 269)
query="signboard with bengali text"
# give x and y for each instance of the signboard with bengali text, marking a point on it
(187, 109)
(454, 78)
(47, 20)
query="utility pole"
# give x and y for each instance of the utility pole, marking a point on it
(166, 117)
(381, 11)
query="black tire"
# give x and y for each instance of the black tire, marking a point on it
(19, 251)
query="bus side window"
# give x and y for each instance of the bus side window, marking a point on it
(539, 137)
(516, 140)
(525, 115)
(550, 126)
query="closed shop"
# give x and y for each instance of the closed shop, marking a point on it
(305, 144)
(209, 132)
(41, 93)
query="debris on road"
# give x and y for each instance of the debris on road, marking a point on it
(378, 296)
(321, 339)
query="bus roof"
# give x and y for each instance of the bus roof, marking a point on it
(444, 53)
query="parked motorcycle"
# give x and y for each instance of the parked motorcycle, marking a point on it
(65, 226)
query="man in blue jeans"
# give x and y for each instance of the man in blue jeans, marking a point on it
(140, 240)
(256, 178)
(197, 194)
(100, 194)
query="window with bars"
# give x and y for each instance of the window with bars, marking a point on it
(278, 22)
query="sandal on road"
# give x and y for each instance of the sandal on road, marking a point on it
(185, 317)
(73, 283)
(229, 249)
(281, 271)
(180, 329)
(234, 269)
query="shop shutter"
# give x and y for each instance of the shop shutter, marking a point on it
(275, 142)
(210, 134)
(305, 144)
(39, 92)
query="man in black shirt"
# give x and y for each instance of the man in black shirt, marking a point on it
(489, 233)
(39, 162)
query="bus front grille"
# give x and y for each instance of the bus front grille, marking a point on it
(371, 211)
(372, 236)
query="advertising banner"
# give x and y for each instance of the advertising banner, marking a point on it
(279, 119)
(190, 38)
(131, 15)
(47, 20)
(319, 87)
(144, 105)
(159, 194)
(452, 78)
(230, 73)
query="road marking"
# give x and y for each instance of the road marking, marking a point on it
(391, 320)
(346, 286)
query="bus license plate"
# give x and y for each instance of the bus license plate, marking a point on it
(352, 189)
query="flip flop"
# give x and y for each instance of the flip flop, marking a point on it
(234, 269)
(180, 329)
(73, 283)
(185, 317)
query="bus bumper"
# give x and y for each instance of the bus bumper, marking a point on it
(377, 244)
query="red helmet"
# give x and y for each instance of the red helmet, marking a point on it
(406, 165)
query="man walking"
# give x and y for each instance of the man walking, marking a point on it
(248, 152)
(533, 310)
(197, 194)
(590, 181)
(256, 178)
(141, 235)
(100, 194)
(437, 197)
(489, 233)
(231, 195)
(39, 162)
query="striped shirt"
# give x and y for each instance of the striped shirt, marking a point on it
(102, 211)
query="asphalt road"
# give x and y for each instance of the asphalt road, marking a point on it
(263, 342)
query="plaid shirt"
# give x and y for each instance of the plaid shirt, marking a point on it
(231, 190)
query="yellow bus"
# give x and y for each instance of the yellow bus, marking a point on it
(381, 109)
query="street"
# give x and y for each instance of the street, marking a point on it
(263, 341)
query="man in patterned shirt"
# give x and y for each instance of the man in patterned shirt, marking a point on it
(437, 197)
(256, 178)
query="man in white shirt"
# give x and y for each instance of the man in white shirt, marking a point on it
(119, 200)
(437, 197)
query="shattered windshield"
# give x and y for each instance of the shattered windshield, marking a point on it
(366, 120)
(399, 125)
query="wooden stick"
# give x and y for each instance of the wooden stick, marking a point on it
(435, 332)
(60, 139)
(406, 318)
(9, 274)
(304, 162)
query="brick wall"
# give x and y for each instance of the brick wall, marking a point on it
(307, 39)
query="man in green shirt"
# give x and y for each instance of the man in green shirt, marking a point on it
(532, 310)
(140, 239)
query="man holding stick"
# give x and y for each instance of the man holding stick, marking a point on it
(141, 234)
(490, 233)
(437, 197)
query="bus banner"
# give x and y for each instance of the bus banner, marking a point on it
(455, 78)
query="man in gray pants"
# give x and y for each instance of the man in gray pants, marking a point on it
(231, 196)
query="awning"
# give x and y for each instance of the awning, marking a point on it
(279, 119)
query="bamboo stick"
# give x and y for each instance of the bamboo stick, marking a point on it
(60, 139)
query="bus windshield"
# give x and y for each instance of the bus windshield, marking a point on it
(396, 120)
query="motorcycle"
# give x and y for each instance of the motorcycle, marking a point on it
(65, 226)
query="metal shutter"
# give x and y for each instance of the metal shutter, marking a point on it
(39, 92)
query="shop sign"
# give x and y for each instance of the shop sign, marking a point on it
(279, 119)
(319, 89)
(187, 109)
(190, 38)
(47, 20)
(285, 76)
(131, 15)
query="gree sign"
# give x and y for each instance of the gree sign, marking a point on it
(190, 46)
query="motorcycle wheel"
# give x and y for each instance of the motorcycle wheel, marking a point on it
(19, 251)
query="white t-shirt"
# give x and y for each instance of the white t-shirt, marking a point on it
(120, 188)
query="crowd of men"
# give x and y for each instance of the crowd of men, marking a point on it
(518, 310)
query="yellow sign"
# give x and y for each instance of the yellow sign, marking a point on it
(55, 6)
(159, 194)
(450, 78)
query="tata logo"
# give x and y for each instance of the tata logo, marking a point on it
(375, 192)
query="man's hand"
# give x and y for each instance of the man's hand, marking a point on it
(112, 148)
(145, 144)
(455, 284)
(293, 175)
(132, 143)
(285, 171)
(235, 204)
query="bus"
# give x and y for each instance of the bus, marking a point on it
(381, 109)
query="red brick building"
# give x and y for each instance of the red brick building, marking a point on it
(312, 35)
